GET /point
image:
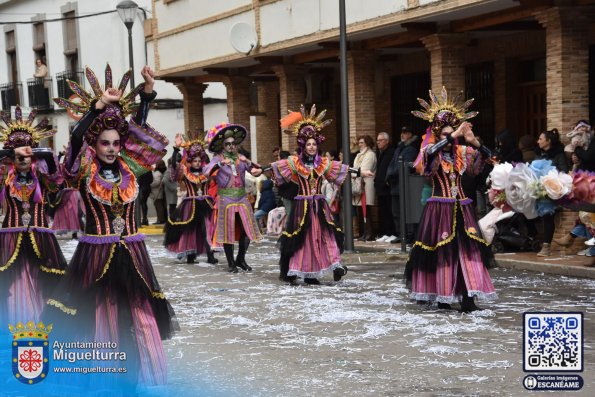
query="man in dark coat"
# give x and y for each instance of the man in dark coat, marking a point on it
(407, 151)
(384, 155)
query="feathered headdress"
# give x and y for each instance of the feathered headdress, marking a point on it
(113, 117)
(194, 147)
(443, 111)
(19, 132)
(306, 126)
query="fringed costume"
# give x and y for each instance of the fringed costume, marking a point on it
(312, 244)
(187, 231)
(235, 216)
(68, 210)
(31, 262)
(450, 259)
(110, 290)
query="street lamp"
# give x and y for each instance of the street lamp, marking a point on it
(347, 227)
(127, 11)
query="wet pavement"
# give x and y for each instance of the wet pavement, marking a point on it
(248, 334)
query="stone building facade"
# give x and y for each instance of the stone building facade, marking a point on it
(527, 63)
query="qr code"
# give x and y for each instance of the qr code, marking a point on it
(553, 342)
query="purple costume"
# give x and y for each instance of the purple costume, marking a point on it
(186, 232)
(30, 258)
(450, 256)
(311, 239)
(233, 207)
(110, 292)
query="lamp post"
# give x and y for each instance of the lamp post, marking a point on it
(127, 11)
(347, 228)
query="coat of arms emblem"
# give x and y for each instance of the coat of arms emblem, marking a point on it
(30, 351)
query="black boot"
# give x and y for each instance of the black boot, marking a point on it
(284, 269)
(241, 258)
(444, 306)
(339, 272)
(468, 304)
(190, 258)
(231, 265)
(312, 281)
(211, 257)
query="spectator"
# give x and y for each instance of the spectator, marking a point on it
(527, 148)
(582, 229)
(41, 70)
(406, 150)
(276, 152)
(353, 149)
(157, 192)
(365, 161)
(287, 191)
(475, 187)
(384, 154)
(550, 148)
(144, 184)
(170, 190)
(585, 158)
(266, 202)
(507, 151)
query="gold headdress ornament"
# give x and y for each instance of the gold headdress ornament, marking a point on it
(443, 110)
(306, 125)
(19, 132)
(194, 146)
(86, 98)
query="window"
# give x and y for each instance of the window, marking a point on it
(71, 41)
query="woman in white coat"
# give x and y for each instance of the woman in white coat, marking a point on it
(365, 161)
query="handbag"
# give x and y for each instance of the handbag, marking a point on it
(356, 185)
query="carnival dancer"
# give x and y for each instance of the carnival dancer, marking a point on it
(450, 258)
(311, 245)
(31, 262)
(186, 231)
(68, 211)
(235, 217)
(110, 288)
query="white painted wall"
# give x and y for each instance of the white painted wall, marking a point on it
(102, 39)
(281, 20)
(182, 12)
(199, 44)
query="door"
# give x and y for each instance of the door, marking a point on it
(532, 115)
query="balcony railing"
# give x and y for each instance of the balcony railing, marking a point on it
(64, 90)
(40, 93)
(10, 93)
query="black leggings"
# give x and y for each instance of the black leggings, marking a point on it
(548, 228)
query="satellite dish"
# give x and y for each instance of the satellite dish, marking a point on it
(243, 37)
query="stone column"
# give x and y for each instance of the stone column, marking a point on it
(447, 61)
(292, 92)
(193, 105)
(567, 74)
(268, 131)
(361, 76)
(238, 100)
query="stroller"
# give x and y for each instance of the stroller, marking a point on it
(511, 236)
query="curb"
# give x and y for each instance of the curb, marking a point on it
(550, 268)
(503, 261)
